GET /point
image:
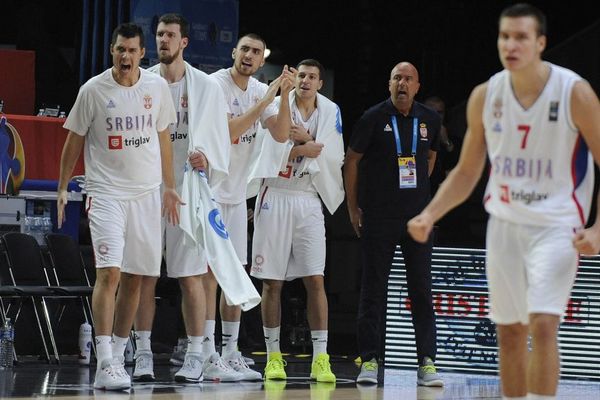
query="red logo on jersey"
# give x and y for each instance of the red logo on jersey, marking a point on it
(115, 142)
(288, 172)
(147, 102)
(505, 195)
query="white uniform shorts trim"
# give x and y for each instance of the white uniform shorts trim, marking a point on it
(289, 235)
(126, 233)
(530, 269)
(235, 218)
(182, 260)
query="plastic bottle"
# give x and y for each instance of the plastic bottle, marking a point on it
(129, 352)
(40, 112)
(85, 343)
(7, 338)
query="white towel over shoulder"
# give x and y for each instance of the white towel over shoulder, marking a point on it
(325, 170)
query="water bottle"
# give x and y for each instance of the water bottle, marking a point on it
(85, 343)
(27, 225)
(7, 338)
(46, 226)
(129, 352)
(40, 112)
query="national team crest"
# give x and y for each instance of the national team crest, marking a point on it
(498, 108)
(423, 129)
(184, 101)
(147, 102)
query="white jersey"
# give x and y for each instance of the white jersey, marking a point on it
(233, 189)
(179, 130)
(541, 170)
(291, 178)
(122, 150)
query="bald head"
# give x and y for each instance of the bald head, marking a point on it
(407, 67)
(403, 86)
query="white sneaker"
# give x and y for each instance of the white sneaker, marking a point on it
(144, 367)
(110, 375)
(178, 355)
(249, 361)
(238, 363)
(215, 369)
(191, 371)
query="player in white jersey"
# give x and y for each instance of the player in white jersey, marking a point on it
(537, 122)
(183, 262)
(121, 117)
(249, 103)
(290, 205)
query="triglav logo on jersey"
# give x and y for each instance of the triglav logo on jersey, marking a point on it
(147, 102)
(507, 195)
(135, 124)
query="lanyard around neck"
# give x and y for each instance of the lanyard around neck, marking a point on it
(397, 136)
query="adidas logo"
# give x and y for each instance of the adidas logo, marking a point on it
(387, 128)
(110, 104)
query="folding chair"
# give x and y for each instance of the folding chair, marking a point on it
(69, 269)
(24, 272)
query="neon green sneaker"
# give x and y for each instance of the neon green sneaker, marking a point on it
(321, 369)
(275, 367)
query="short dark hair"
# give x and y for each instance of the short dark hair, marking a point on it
(311, 62)
(526, 10)
(128, 30)
(173, 18)
(252, 36)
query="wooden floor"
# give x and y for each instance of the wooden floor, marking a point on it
(70, 381)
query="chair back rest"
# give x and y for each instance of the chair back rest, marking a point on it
(25, 259)
(66, 260)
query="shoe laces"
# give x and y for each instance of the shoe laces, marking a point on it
(219, 363)
(428, 369)
(111, 371)
(143, 361)
(370, 366)
(276, 363)
(323, 364)
(238, 363)
(191, 363)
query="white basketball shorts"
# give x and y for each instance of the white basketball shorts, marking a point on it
(127, 233)
(531, 269)
(289, 235)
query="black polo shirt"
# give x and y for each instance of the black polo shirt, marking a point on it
(373, 136)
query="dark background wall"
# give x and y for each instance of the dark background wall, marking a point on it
(452, 43)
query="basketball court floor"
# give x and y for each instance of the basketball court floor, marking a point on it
(69, 380)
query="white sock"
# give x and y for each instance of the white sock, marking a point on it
(195, 344)
(103, 348)
(118, 345)
(208, 346)
(272, 339)
(319, 342)
(229, 337)
(142, 340)
(533, 396)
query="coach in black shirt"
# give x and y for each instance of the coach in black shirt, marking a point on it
(396, 143)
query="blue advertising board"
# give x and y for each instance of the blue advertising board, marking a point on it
(213, 29)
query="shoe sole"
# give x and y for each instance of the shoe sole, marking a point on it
(434, 383)
(144, 378)
(183, 379)
(175, 362)
(367, 380)
(112, 388)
